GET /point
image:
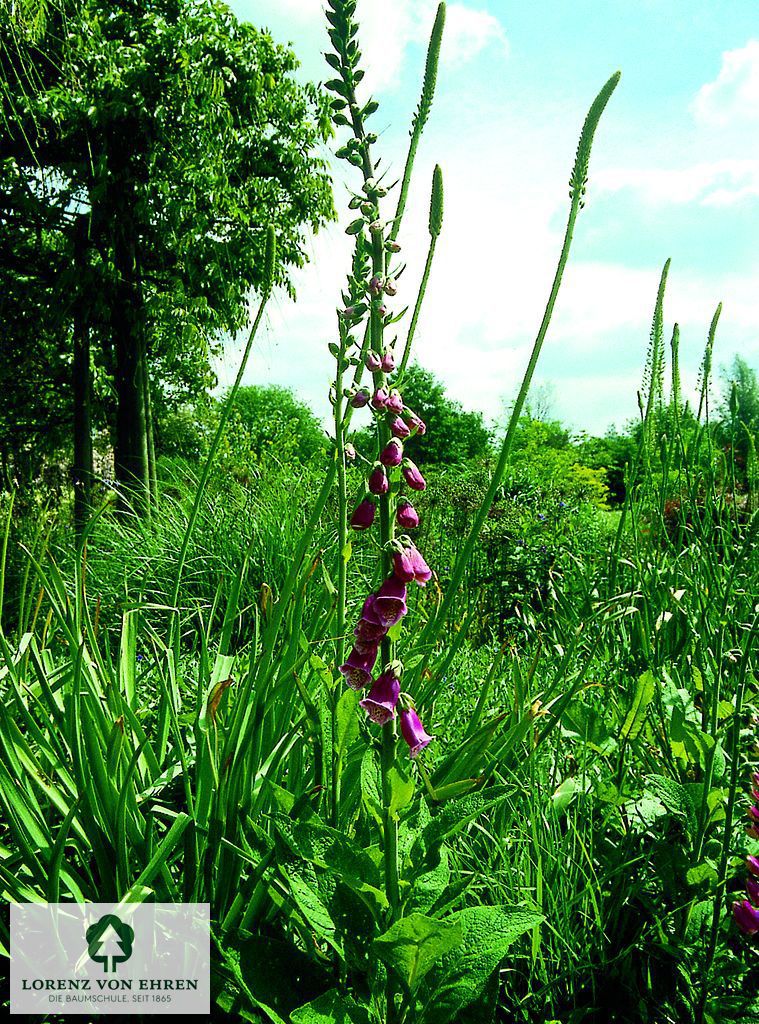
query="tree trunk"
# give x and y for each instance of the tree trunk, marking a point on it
(152, 472)
(131, 443)
(83, 469)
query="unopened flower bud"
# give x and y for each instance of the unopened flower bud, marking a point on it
(373, 362)
(392, 454)
(399, 428)
(380, 398)
(392, 246)
(375, 286)
(376, 227)
(417, 424)
(360, 399)
(382, 310)
(391, 288)
(413, 477)
(394, 402)
(350, 451)
(388, 361)
(378, 482)
(406, 515)
(363, 516)
(746, 917)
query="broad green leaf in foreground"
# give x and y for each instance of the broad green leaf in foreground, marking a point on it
(414, 944)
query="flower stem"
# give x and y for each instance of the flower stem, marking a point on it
(342, 564)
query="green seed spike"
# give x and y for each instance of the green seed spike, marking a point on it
(420, 117)
(270, 259)
(436, 202)
(652, 377)
(706, 365)
(676, 389)
(579, 177)
(430, 72)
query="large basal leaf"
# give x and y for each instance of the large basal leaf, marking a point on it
(326, 847)
(331, 1008)
(457, 814)
(430, 887)
(487, 933)
(414, 944)
(636, 716)
(279, 974)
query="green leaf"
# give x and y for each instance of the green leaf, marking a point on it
(414, 944)
(279, 974)
(312, 908)
(401, 790)
(330, 1008)
(566, 792)
(346, 716)
(487, 933)
(636, 716)
(457, 814)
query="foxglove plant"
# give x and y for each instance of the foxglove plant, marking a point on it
(383, 510)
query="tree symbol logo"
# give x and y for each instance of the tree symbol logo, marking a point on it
(109, 939)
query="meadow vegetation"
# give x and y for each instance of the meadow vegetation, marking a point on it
(188, 641)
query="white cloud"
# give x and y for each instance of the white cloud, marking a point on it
(733, 97)
(711, 183)
(500, 241)
(386, 31)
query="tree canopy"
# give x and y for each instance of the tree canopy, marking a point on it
(144, 150)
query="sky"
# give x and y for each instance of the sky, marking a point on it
(674, 174)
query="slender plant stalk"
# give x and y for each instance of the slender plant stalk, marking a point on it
(577, 192)
(421, 116)
(269, 262)
(435, 226)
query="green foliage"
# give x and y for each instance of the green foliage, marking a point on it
(453, 436)
(171, 137)
(172, 726)
(269, 425)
